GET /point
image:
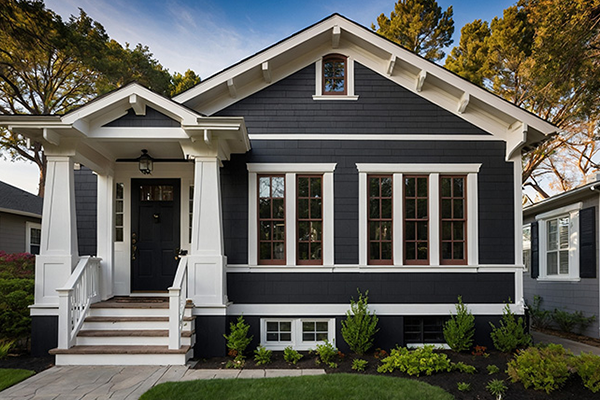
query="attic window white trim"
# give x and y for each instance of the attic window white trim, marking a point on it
(349, 82)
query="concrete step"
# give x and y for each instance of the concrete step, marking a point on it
(132, 323)
(120, 337)
(122, 355)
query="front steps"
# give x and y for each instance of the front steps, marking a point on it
(129, 331)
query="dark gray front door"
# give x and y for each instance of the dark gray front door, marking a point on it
(155, 216)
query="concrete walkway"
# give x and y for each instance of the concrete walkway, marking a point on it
(575, 347)
(117, 383)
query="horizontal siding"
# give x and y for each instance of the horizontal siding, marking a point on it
(13, 232)
(86, 205)
(384, 288)
(152, 119)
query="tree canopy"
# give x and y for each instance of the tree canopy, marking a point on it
(420, 26)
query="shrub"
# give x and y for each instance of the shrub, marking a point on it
(588, 368)
(496, 387)
(415, 362)
(459, 329)
(15, 297)
(16, 266)
(567, 321)
(510, 335)
(237, 363)
(540, 319)
(463, 386)
(492, 369)
(380, 354)
(262, 356)
(5, 347)
(479, 351)
(464, 368)
(238, 339)
(292, 356)
(546, 368)
(326, 353)
(360, 326)
(359, 364)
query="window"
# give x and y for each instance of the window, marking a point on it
(428, 216)
(527, 247)
(334, 78)
(416, 220)
(119, 213)
(558, 238)
(424, 329)
(300, 333)
(309, 211)
(271, 219)
(290, 214)
(33, 237)
(453, 219)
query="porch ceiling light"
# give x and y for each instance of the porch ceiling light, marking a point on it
(145, 162)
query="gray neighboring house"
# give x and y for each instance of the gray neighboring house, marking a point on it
(560, 250)
(20, 220)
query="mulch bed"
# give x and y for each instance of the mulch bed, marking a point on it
(37, 364)
(573, 389)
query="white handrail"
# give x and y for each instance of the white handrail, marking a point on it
(81, 290)
(177, 302)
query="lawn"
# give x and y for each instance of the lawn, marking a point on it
(330, 387)
(9, 377)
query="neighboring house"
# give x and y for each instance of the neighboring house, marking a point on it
(561, 252)
(20, 220)
(332, 161)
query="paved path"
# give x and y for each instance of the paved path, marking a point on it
(120, 383)
(575, 347)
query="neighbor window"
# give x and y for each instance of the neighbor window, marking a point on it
(271, 219)
(527, 247)
(33, 237)
(557, 246)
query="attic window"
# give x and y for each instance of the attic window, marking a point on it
(334, 74)
(334, 78)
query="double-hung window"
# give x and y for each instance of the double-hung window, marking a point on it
(558, 243)
(428, 214)
(527, 246)
(33, 237)
(290, 208)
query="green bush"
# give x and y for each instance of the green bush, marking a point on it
(492, 369)
(463, 386)
(588, 368)
(464, 368)
(5, 347)
(568, 322)
(546, 368)
(540, 319)
(360, 326)
(238, 339)
(16, 295)
(16, 266)
(415, 362)
(326, 353)
(459, 329)
(510, 335)
(359, 365)
(262, 356)
(292, 356)
(496, 387)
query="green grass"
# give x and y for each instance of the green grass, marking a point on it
(325, 387)
(9, 377)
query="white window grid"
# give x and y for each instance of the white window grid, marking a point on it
(299, 326)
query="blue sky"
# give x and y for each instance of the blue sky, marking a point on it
(209, 35)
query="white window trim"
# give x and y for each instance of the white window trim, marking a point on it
(433, 171)
(526, 247)
(573, 212)
(28, 227)
(290, 171)
(349, 82)
(296, 342)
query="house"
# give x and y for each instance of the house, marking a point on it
(332, 161)
(20, 220)
(560, 249)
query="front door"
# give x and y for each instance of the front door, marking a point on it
(155, 219)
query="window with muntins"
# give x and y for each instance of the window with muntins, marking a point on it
(119, 212)
(309, 211)
(424, 329)
(557, 246)
(416, 220)
(334, 75)
(453, 220)
(380, 219)
(299, 333)
(33, 237)
(527, 247)
(271, 219)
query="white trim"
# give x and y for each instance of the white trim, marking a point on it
(28, 227)
(363, 268)
(329, 310)
(17, 212)
(371, 136)
(418, 168)
(434, 218)
(362, 219)
(472, 219)
(291, 171)
(559, 211)
(334, 97)
(397, 225)
(296, 333)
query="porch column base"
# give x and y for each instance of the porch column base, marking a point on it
(207, 280)
(51, 272)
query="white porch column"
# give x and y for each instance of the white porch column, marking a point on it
(207, 261)
(105, 232)
(58, 250)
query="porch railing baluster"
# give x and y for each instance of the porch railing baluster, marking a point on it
(177, 302)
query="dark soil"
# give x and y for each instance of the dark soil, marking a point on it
(37, 364)
(573, 389)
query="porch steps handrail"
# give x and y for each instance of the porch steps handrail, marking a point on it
(177, 302)
(81, 290)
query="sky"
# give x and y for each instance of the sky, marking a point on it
(210, 35)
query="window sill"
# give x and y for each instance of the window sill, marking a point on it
(558, 279)
(335, 97)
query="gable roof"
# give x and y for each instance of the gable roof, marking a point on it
(16, 201)
(337, 34)
(588, 190)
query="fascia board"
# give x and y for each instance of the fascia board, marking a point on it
(21, 213)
